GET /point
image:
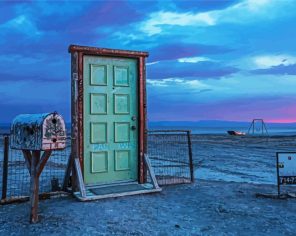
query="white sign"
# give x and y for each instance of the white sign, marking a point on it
(286, 163)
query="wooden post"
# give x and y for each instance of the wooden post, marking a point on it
(68, 173)
(190, 156)
(278, 175)
(141, 122)
(34, 187)
(5, 167)
(151, 172)
(80, 178)
(35, 166)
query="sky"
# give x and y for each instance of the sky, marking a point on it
(209, 60)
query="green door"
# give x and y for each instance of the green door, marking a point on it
(110, 119)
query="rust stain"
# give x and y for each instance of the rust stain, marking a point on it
(80, 108)
(106, 51)
(141, 120)
(38, 132)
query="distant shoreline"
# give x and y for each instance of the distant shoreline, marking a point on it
(207, 128)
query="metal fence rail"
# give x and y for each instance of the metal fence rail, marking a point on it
(15, 178)
(170, 153)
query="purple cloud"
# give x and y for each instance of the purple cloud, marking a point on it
(275, 109)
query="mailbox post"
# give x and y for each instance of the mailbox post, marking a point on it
(37, 135)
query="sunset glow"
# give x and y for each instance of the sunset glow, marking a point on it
(209, 60)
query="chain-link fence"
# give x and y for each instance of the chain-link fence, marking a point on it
(170, 153)
(15, 178)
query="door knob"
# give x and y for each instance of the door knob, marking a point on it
(133, 127)
(134, 118)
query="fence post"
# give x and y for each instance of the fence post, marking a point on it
(190, 156)
(5, 168)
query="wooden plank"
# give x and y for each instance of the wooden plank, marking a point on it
(34, 187)
(80, 110)
(106, 51)
(79, 177)
(151, 172)
(28, 157)
(141, 124)
(42, 162)
(127, 110)
(75, 122)
(5, 167)
(145, 115)
(113, 195)
(103, 185)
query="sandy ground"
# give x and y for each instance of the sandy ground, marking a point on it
(203, 208)
(229, 172)
(240, 159)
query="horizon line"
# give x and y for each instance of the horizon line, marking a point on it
(280, 121)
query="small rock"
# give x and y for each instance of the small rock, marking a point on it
(221, 209)
(206, 228)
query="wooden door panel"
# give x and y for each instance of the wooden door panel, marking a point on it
(110, 112)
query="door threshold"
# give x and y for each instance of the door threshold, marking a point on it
(91, 186)
(119, 190)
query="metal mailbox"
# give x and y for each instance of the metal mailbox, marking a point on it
(38, 132)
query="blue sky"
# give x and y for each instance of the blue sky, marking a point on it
(223, 60)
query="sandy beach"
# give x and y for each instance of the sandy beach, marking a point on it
(229, 171)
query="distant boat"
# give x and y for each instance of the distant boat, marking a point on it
(238, 133)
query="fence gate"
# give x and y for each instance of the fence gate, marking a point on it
(170, 153)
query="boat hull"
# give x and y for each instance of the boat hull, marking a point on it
(236, 133)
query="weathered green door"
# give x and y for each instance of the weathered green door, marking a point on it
(110, 119)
